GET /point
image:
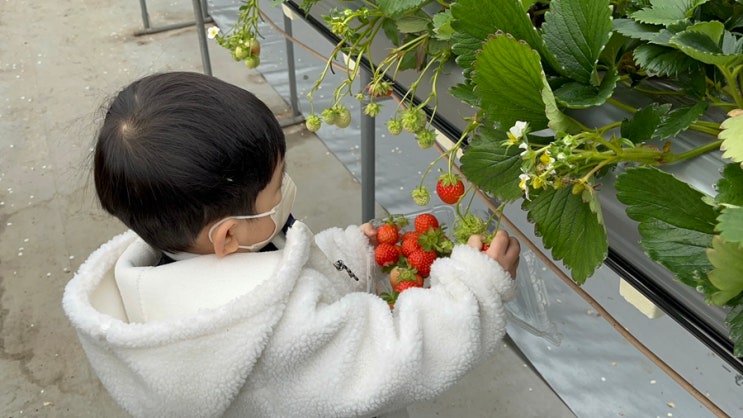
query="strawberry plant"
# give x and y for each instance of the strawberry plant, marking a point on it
(535, 73)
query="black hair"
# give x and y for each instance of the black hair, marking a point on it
(179, 150)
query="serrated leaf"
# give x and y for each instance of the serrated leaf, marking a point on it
(730, 224)
(493, 167)
(681, 251)
(730, 186)
(442, 25)
(727, 259)
(509, 80)
(651, 193)
(666, 12)
(732, 138)
(580, 96)
(704, 42)
(641, 127)
(562, 220)
(576, 31)
(676, 225)
(397, 8)
(679, 119)
(465, 93)
(473, 23)
(412, 24)
(664, 61)
(637, 30)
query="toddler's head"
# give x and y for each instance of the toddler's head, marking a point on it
(179, 151)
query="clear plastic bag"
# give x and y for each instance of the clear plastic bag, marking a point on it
(530, 306)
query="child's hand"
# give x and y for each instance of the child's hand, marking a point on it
(503, 249)
(370, 232)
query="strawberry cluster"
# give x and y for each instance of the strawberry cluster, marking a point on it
(407, 253)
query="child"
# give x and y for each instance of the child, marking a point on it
(217, 303)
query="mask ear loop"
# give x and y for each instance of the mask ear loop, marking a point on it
(260, 215)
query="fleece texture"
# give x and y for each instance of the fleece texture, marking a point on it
(308, 341)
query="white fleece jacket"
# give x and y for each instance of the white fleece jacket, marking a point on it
(307, 342)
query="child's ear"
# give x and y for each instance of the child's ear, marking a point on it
(223, 238)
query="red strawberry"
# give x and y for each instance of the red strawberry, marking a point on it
(421, 260)
(449, 188)
(409, 235)
(387, 233)
(404, 274)
(426, 221)
(485, 246)
(409, 245)
(404, 285)
(387, 254)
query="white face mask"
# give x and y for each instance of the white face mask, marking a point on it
(279, 214)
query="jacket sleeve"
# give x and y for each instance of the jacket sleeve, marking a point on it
(349, 250)
(356, 357)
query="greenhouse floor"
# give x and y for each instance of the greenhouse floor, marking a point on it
(58, 65)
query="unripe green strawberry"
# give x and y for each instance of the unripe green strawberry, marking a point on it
(240, 53)
(420, 196)
(426, 138)
(468, 225)
(372, 109)
(344, 117)
(313, 123)
(394, 126)
(252, 61)
(329, 116)
(413, 119)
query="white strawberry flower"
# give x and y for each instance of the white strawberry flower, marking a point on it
(516, 132)
(212, 32)
(523, 179)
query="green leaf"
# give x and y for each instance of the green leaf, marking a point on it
(580, 96)
(651, 193)
(397, 8)
(442, 25)
(412, 24)
(390, 31)
(730, 186)
(645, 121)
(465, 93)
(492, 166)
(637, 30)
(676, 224)
(664, 61)
(666, 12)
(727, 259)
(681, 251)
(732, 137)
(734, 322)
(473, 23)
(509, 81)
(730, 225)
(679, 119)
(576, 31)
(562, 219)
(704, 42)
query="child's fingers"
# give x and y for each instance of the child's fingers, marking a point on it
(370, 232)
(475, 241)
(499, 244)
(505, 250)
